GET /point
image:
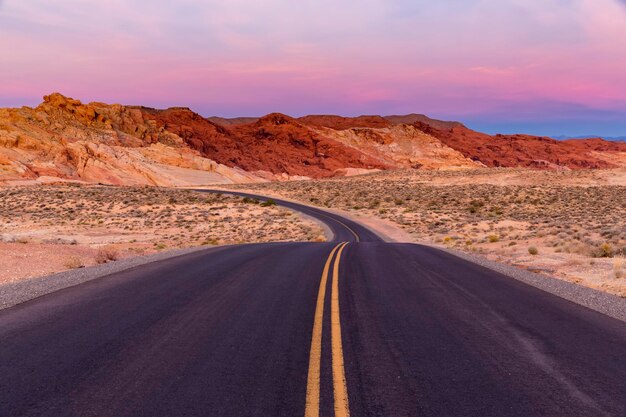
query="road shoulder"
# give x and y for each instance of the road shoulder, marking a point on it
(13, 293)
(605, 303)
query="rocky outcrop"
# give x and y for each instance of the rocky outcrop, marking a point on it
(404, 146)
(64, 139)
(279, 143)
(526, 151)
(276, 144)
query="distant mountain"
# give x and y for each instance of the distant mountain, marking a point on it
(613, 138)
(235, 121)
(64, 139)
(340, 122)
(413, 118)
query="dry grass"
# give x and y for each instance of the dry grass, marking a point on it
(619, 268)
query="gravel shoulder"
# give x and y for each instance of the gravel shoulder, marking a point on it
(14, 293)
(605, 303)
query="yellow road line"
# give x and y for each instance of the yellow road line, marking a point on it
(340, 389)
(358, 239)
(356, 236)
(312, 408)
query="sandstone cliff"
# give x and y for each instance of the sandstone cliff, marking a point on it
(113, 144)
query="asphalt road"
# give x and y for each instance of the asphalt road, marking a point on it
(363, 328)
(344, 230)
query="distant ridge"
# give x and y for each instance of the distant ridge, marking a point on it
(611, 138)
(341, 122)
(235, 121)
(421, 118)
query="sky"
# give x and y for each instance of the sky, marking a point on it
(548, 67)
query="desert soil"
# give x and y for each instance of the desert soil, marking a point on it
(567, 224)
(51, 228)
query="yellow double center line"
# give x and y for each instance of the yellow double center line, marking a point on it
(356, 236)
(340, 390)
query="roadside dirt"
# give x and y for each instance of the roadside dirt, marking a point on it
(48, 229)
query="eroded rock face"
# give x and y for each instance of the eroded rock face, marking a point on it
(276, 143)
(96, 142)
(279, 143)
(405, 146)
(528, 151)
(113, 144)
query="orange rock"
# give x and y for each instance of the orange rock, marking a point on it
(524, 150)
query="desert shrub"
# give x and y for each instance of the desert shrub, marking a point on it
(268, 203)
(493, 238)
(533, 250)
(73, 262)
(105, 255)
(605, 250)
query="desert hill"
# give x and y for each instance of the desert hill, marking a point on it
(529, 151)
(63, 138)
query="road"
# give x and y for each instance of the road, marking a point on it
(354, 327)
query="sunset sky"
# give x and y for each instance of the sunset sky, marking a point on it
(535, 66)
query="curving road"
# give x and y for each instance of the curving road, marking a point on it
(344, 230)
(351, 327)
